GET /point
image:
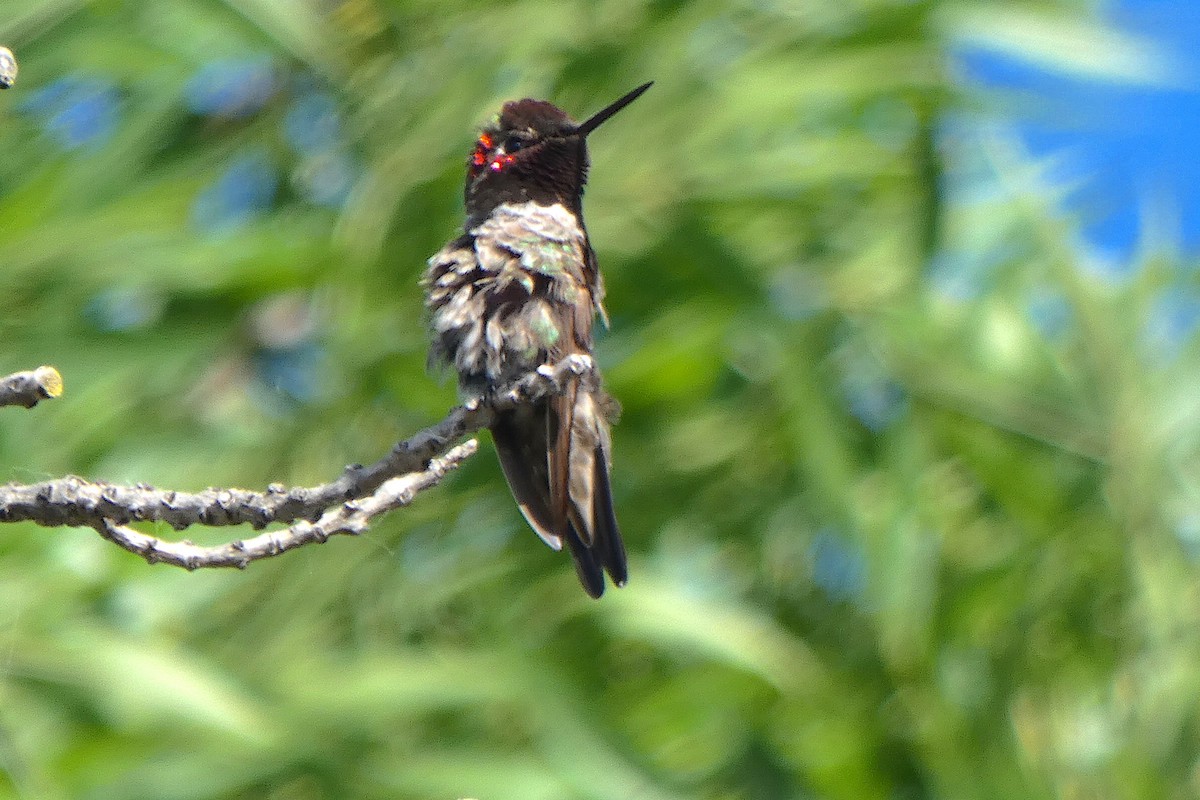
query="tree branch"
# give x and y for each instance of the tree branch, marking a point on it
(344, 505)
(350, 518)
(30, 388)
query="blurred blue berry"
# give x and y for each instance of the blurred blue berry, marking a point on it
(232, 88)
(839, 569)
(872, 397)
(76, 111)
(295, 372)
(312, 123)
(244, 190)
(326, 178)
(124, 308)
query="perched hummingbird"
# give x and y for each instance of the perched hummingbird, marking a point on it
(518, 289)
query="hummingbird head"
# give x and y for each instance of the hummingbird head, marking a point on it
(532, 151)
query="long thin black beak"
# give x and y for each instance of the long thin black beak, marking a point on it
(601, 116)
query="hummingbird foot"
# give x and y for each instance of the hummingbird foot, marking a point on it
(579, 366)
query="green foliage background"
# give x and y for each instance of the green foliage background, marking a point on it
(890, 537)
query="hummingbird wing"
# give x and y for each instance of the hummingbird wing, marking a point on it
(594, 279)
(519, 437)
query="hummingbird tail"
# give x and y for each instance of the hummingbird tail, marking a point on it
(526, 441)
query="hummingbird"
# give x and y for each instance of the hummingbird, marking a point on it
(518, 289)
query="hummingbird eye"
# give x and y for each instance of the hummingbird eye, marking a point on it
(513, 143)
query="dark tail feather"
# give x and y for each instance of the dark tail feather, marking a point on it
(585, 564)
(608, 541)
(601, 541)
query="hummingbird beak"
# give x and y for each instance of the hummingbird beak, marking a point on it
(601, 116)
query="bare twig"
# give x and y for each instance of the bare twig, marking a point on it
(351, 518)
(30, 388)
(108, 507)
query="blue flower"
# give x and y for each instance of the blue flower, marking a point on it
(294, 372)
(326, 178)
(124, 308)
(327, 171)
(232, 87)
(839, 568)
(245, 189)
(76, 110)
(313, 123)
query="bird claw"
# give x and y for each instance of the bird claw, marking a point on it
(579, 363)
